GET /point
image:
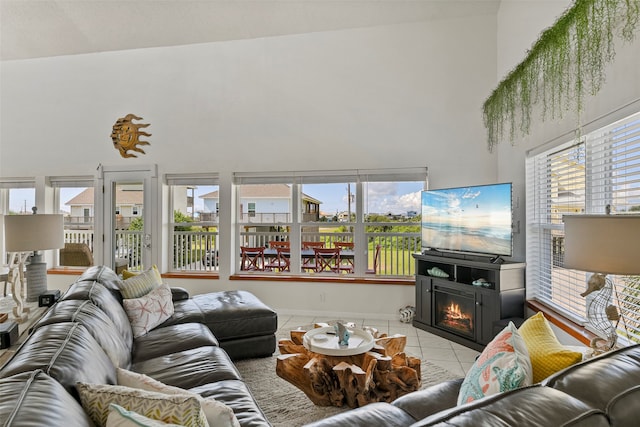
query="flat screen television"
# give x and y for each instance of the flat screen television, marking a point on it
(474, 219)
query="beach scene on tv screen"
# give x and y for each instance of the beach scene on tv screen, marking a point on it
(469, 219)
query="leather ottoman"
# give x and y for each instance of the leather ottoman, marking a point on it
(243, 325)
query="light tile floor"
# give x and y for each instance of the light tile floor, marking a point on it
(451, 356)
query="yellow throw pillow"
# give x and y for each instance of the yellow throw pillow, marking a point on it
(127, 274)
(547, 354)
(141, 284)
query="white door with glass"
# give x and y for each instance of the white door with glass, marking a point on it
(127, 222)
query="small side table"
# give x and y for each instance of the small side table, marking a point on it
(23, 331)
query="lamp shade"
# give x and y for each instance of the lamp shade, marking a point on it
(608, 244)
(26, 233)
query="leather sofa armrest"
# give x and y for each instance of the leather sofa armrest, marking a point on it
(422, 403)
(179, 294)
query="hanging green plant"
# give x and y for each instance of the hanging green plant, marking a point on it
(566, 63)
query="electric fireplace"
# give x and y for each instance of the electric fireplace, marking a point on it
(455, 311)
(466, 300)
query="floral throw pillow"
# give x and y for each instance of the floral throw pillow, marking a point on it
(503, 365)
(147, 312)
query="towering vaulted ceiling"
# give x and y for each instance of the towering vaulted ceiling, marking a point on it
(42, 28)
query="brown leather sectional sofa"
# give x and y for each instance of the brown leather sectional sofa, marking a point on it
(86, 335)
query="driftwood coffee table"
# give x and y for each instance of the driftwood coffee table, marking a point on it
(380, 374)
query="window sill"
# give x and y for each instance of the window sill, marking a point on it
(74, 271)
(572, 328)
(190, 275)
(71, 271)
(324, 279)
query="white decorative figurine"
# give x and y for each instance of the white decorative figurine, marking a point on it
(343, 334)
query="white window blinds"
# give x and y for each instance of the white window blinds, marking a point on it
(600, 173)
(331, 176)
(192, 179)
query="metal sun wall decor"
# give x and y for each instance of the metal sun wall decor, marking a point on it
(125, 135)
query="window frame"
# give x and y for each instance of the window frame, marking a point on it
(611, 161)
(296, 179)
(209, 261)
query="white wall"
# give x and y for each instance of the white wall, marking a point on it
(388, 96)
(519, 26)
(381, 97)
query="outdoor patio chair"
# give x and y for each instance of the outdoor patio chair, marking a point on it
(275, 244)
(281, 261)
(376, 261)
(309, 263)
(76, 255)
(252, 259)
(346, 264)
(327, 259)
(311, 245)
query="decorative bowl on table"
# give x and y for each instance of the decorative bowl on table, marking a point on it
(325, 341)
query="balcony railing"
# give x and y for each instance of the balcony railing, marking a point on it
(198, 251)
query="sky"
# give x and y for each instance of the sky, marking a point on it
(382, 198)
(489, 203)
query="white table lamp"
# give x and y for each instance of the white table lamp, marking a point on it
(602, 244)
(25, 236)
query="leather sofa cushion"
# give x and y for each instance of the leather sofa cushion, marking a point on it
(422, 403)
(179, 294)
(105, 300)
(34, 399)
(605, 382)
(524, 407)
(65, 351)
(185, 311)
(171, 339)
(103, 275)
(236, 395)
(236, 314)
(372, 415)
(243, 325)
(623, 409)
(229, 314)
(190, 368)
(99, 325)
(244, 348)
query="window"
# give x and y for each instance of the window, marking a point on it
(600, 172)
(17, 196)
(366, 209)
(392, 223)
(74, 199)
(194, 207)
(251, 209)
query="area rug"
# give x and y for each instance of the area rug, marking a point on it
(286, 406)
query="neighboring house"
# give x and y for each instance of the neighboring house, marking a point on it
(344, 216)
(129, 204)
(263, 203)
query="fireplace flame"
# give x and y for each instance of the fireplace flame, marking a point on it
(454, 312)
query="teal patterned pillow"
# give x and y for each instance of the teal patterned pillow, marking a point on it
(503, 365)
